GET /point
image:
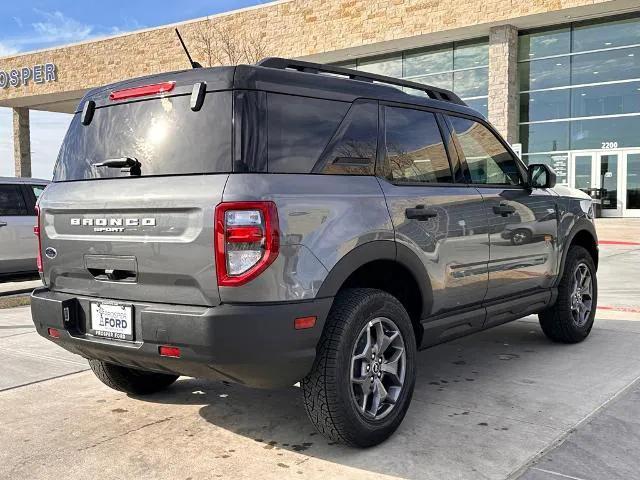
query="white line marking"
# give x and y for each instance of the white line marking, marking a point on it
(557, 473)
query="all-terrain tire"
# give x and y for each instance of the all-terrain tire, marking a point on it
(558, 322)
(130, 380)
(327, 388)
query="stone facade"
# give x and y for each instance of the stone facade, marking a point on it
(290, 28)
(503, 80)
(21, 142)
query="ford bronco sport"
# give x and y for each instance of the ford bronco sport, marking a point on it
(289, 221)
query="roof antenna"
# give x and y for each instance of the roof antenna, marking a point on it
(193, 64)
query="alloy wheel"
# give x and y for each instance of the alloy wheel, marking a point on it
(581, 295)
(378, 365)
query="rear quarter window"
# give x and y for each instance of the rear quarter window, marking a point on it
(164, 135)
(299, 129)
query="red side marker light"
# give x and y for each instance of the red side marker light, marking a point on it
(143, 91)
(167, 351)
(53, 332)
(304, 322)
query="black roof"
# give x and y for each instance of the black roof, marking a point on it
(296, 78)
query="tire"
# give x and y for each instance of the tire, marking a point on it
(330, 396)
(520, 237)
(562, 322)
(130, 380)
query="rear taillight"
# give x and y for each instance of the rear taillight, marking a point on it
(36, 231)
(247, 240)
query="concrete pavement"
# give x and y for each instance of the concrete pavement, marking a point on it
(490, 406)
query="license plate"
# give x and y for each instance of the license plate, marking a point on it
(112, 321)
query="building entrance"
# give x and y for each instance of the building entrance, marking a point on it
(614, 173)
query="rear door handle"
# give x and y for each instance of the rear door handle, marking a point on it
(504, 210)
(3, 224)
(419, 212)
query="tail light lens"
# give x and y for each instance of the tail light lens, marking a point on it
(142, 91)
(247, 240)
(36, 231)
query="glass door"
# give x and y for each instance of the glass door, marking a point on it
(609, 181)
(582, 176)
(631, 183)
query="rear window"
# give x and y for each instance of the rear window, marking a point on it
(164, 135)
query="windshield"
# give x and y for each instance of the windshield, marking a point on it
(163, 134)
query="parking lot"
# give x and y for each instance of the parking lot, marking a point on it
(500, 404)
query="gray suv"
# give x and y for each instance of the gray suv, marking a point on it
(294, 222)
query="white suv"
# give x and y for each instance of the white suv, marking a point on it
(18, 248)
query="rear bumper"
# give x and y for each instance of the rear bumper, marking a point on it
(255, 345)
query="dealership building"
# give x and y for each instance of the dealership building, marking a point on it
(560, 79)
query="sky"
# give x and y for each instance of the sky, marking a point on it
(28, 25)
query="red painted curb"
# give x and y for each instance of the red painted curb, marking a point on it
(616, 242)
(620, 309)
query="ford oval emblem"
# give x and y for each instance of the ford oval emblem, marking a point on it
(50, 252)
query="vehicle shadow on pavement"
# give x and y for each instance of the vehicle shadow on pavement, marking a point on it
(483, 404)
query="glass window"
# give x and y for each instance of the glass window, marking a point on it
(545, 137)
(11, 201)
(582, 172)
(479, 104)
(471, 55)
(606, 34)
(299, 129)
(390, 66)
(425, 62)
(471, 83)
(633, 180)
(164, 134)
(605, 99)
(551, 72)
(593, 133)
(609, 181)
(352, 151)
(414, 148)
(545, 105)
(440, 80)
(37, 190)
(488, 160)
(543, 44)
(606, 66)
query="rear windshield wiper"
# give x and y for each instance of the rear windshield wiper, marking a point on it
(126, 164)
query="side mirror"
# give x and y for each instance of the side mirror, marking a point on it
(541, 176)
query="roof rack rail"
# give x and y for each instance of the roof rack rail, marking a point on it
(309, 67)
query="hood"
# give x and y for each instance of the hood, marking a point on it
(565, 191)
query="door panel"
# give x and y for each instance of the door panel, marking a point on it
(609, 182)
(632, 184)
(523, 229)
(451, 241)
(17, 241)
(582, 172)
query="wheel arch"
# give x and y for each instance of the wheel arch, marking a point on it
(583, 234)
(388, 266)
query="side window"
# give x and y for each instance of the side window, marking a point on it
(414, 148)
(11, 201)
(37, 190)
(299, 129)
(352, 151)
(488, 160)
